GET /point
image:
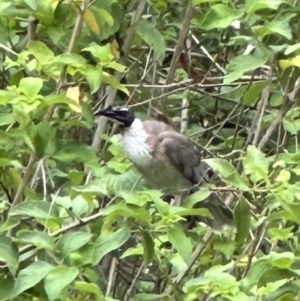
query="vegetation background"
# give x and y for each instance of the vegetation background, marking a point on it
(75, 223)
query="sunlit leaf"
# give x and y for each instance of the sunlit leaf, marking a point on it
(109, 241)
(57, 279)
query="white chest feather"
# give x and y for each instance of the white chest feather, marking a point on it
(134, 142)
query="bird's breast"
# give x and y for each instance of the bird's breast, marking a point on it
(138, 151)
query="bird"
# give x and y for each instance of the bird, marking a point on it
(166, 159)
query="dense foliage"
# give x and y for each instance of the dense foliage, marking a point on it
(76, 221)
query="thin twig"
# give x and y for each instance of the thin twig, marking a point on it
(75, 33)
(179, 46)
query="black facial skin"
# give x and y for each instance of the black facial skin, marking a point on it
(124, 117)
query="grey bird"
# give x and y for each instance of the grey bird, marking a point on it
(166, 159)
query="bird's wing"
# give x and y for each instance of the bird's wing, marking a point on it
(184, 157)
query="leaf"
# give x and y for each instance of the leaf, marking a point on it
(91, 21)
(252, 94)
(196, 2)
(95, 187)
(121, 209)
(71, 59)
(39, 210)
(10, 223)
(72, 241)
(74, 94)
(238, 65)
(41, 51)
(279, 26)
(93, 75)
(254, 5)
(113, 81)
(228, 173)
(31, 86)
(148, 245)
(147, 297)
(257, 269)
(284, 176)
(180, 242)
(37, 238)
(109, 241)
(220, 16)
(80, 153)
(31, 275)
(282, 260)
(152, 37)
(106, 16)
(58, 279)
(7, 287)
(242, 219)
(294, 61)
(256, 164)
(88, 288)
(292, 48)
(196, 197)
(103, 53)
(9, 254)
(281, 234)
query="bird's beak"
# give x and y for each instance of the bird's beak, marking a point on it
(107, 112)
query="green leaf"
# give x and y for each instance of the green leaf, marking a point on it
(252, 95)
(10, 223)
(228, 173)
(257, 269)
(113, 81)
(162, 206)
(7, 287)
(41, 51)
(196, 2)
(109, 241)
(70, 59)
(152, 37)
(31, 86)
(242, 218)
(86, 287)
(95, 187)
(121, 209)
(238, 65)
(72, 241)
(281, 234)
(279, 26)
(6, 118)
(147, 297)
(256, 164)
(37, 238)
(58, 279)
(39, 210)
(79, 153)
(31, 275)
(93, 75)
(138, 198)
(220, 16)
(292, 48)
(254, 5)
(9, 254)
(282, 260)
(197, 197)
(180, 242)
(148, 245)
(102, 53)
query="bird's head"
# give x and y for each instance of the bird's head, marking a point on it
(122, 115)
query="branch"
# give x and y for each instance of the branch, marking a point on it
(180, 43)
(75, 33)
